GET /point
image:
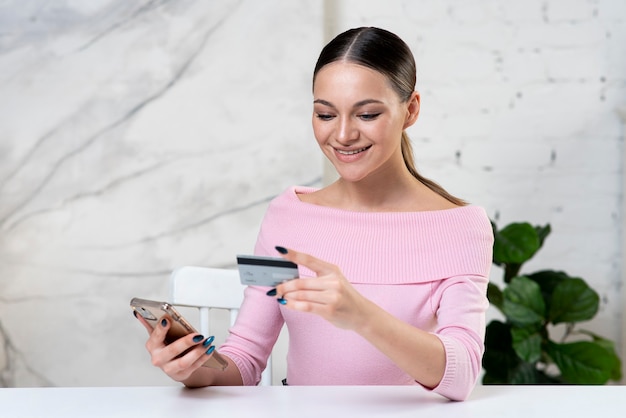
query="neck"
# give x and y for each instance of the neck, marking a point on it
(383, 192)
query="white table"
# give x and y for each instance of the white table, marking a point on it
(312, 401)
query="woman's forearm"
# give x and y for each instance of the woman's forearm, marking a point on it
(419, 353)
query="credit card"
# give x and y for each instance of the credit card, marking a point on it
(257, 270)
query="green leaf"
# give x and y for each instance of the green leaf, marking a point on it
(547, 281)
(494, 294)
(527, 344)
(582, 362)
(522, 374)
(523, 303)
(542, 233)
(516, 243)
(499, 355)
(526, 374)
(490, 379)
(609, 346)
(494, 229)
(573, 301)
(510, 271)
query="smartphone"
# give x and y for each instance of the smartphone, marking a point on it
(152, 311)
(257, 270)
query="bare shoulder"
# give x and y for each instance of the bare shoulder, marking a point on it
(421, 199)
(433, 201)
(319, 197)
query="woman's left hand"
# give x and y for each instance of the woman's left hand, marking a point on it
(328, 295)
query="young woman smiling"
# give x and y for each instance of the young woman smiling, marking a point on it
(393, 269)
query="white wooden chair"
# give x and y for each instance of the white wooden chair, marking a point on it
(207, 288)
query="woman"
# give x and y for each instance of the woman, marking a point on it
(393, 268)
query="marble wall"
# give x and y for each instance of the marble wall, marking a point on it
(138, 136)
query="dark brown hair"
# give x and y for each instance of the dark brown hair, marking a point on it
(386, 53)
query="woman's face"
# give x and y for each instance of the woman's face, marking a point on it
(358, 120)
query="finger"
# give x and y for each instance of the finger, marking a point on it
(143, 322)
(296, 294)
(158, 334)
(183, 366)
(185, 343)
(303, 288)
(313, 263)
(179, 349)
(205, 355)
(305, 295)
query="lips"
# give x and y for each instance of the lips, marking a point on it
(353, 152)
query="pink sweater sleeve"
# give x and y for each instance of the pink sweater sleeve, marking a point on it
(461, 328)
(254, 334)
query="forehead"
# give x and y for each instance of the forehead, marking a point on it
(347, 78)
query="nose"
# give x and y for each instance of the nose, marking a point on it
(347, 132)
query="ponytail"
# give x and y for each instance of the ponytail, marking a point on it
(407, 155)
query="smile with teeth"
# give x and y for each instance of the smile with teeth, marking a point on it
(352, 152)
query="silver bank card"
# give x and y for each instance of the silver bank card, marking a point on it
(257, 270)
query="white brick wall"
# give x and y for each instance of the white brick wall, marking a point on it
(519, 104)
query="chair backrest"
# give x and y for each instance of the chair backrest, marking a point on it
(206, 288)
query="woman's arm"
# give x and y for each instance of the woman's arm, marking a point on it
(419, 353)
(451, 355)
(422, 355)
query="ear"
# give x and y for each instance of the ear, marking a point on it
(413, 109)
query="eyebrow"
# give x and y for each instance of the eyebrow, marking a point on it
(357, 104)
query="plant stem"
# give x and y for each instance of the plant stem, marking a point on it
(568, 330)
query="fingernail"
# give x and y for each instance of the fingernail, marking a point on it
(281, 250)
(271, 292)
(164, 322)
(198, 338)
(282, 301)
(211, 349)
(208, 341)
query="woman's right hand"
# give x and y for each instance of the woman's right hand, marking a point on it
(168, 356)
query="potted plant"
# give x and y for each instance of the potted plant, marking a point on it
(522, 350)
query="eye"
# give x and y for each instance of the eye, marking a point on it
(324, 116)
(369, 116)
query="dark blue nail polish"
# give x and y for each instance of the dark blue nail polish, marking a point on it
(163, 322)
(281, 250)
(198, 338)
(282, 301)
(208, 341)
(271, 292)
(211, 349)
